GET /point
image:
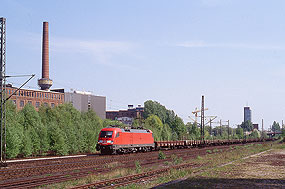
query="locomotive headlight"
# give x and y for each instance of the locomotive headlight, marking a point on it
(100, 141)
(109, 141)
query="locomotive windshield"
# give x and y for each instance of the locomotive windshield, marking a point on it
(106, 134)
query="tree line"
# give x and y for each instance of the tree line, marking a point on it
(64, 130)
(61, 130)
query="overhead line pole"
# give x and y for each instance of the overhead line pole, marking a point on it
(202, 119)
(228, 130)
(3, 89)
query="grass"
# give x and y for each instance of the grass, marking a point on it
(205, 163)
(138, 166)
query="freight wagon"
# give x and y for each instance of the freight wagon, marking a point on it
(114, 140)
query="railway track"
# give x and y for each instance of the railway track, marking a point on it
(122, 181)
(33, 175)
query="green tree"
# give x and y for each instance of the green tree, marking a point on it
(166, 132)
(247, 126)
(93, 125)
(38, 133)
(255, 134)
(239, 132)
(275, 126)
(27, 147)
(14, 131)
(193, 131)
(155, 125)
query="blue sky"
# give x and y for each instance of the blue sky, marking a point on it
(231, 51)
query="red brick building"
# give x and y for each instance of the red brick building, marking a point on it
(131, 112)
(34, 97)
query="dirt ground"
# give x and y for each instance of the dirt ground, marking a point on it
(266, 170)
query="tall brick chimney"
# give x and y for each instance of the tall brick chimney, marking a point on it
(45, 83)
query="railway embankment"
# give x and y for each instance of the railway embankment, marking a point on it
(198, 162)
(252, 166)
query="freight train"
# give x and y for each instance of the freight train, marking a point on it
(114, 140)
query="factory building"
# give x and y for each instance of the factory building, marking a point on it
(84, 101)
(126, 116)
(34, 97)
(52, 97)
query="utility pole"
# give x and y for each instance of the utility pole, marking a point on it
(211, 127)
(221, 128)
(228, 130)
(3, 89)
(262, 129)
(202, 120)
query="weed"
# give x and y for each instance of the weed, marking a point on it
(176, 160)
(199, 157)
(138, 166)
(161, 155)
(166, 163)
(208, 151)
(215, 150)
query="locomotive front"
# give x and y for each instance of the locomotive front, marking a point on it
(106, 140)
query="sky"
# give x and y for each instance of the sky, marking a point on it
(173, 52)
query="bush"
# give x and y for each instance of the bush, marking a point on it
(161, 155)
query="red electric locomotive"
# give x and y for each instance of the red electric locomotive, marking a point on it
(114, 140)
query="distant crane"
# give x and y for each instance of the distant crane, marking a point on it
(195, 112)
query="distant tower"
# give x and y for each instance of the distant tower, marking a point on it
(45, 82)
(247, 114)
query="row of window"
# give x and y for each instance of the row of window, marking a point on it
(35, 94)
(37, 104)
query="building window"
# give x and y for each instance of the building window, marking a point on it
(37, 104)
(22, 103)
(14, 102)
(30, 102)
(52, 105)
(46, 104)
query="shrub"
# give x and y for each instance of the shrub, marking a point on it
(161, 155)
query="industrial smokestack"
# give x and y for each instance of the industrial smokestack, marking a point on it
(45, 52)
(45, 83)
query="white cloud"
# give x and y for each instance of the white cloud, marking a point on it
(201, 44)
(101, 51)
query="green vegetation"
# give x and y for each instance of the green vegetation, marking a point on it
(275, 127)
(176, 160)
(165, 123)
(138, 166)
(64, 130)
(161, 155)
(209, 151)
(61, 130)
